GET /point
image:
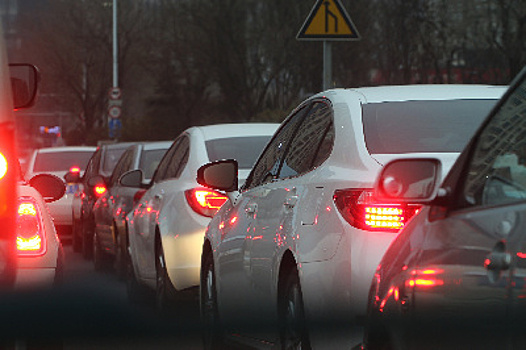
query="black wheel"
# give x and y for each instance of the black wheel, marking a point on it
(101, 260)
(87, 240)
(137, 292)
(164, 291)
(293, 332)
(212, 331)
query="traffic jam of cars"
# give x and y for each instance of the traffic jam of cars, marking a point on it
(394, 209)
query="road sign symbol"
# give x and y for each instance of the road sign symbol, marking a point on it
(114, 93)
(328, 20)
(114, 112)
(114, 128)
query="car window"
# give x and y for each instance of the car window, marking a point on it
(169, 167)
(123, 165)
(61, 161)
(111, 157)
(497, 171)
(267, 167)
(305, 147)
(179, 159)
(244, 150)
(93, 165)
(422, 126)
(150, 160)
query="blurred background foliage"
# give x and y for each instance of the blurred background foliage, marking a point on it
(194, 62)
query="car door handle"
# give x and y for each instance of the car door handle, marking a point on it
(251, 208)
(291, 202)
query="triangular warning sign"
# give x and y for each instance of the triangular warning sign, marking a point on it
(328, 20)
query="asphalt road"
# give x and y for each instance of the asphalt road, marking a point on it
(90, 310)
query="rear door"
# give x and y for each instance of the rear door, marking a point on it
(473, 265)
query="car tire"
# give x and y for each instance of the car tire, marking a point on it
(164, 291)
(137, 292)
(101, 260)
(212, 330)
(293, 331)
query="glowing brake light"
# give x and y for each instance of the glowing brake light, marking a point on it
(74, 169)
(99, 190)
(205, 201)
(30, 240)
(358, 208)
(3, 166)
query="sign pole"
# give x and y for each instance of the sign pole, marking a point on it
(328, 21)
(327, 65)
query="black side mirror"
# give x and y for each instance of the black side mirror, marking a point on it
(220, 175)
(132, 178)
(24, 84)
(51, 187)
(409, 180)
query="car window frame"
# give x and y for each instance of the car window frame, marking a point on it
(313, 157)
(296, 116)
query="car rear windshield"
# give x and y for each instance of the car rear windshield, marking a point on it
(111, 157)
(422, 126)
(243, 149)
(61, 161)
(149, 161)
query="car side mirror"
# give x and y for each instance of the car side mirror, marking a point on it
(51, 187)
(220, 175)
(24, 84)
(409, 180)
(132, 178)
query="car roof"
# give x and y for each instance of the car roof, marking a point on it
(119, 145)
(147, 146)
(66, 149)
(393, 93)
(220, 131)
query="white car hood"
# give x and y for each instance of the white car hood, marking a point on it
(447, 159)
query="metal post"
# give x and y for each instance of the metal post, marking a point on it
(115, 47)
(327, 65)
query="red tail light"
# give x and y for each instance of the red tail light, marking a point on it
(99, 190)
(137, 196)
(74, 169)
(30, 238)
(205, 201)
(3, 166)
(359, 209)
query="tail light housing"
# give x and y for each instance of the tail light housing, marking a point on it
(359, 208)
(30, 237)
(3, 166)
(205, 201)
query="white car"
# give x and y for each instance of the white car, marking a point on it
(167, 226)
(58, 161)
(290, 258)
(40, 257)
